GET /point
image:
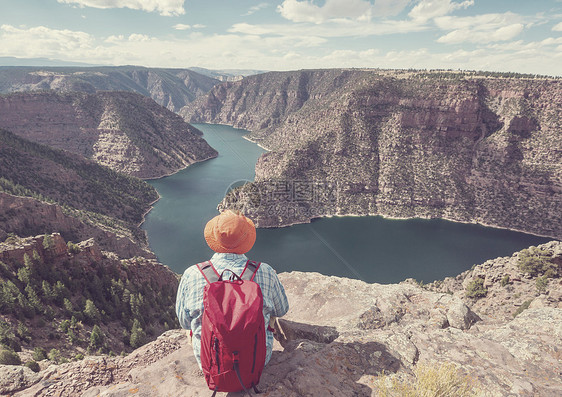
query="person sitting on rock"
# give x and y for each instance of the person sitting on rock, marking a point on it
(230, 235)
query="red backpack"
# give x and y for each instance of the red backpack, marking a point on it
(232, 329)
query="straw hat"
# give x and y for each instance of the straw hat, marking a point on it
(230, 232)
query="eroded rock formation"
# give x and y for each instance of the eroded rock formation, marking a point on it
(465, 147)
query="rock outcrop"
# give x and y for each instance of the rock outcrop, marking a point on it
(340, 334)
(171, 88)
(465, 147)
(125, 131)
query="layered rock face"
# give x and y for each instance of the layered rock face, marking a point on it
(340, 334)
(171, 88)
(464, 147)
(124, 131)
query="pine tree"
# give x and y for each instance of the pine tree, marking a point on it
(91, 311)
(137, 335)
(96, 338)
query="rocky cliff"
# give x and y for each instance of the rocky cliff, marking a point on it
(124, 131)
(340, 335)
(461, 146)
(171, 88)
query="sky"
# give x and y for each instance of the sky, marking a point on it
(522, 36)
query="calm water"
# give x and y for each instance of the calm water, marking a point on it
(368, 248)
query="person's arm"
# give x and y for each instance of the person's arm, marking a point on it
(182, 310)
(279, 298)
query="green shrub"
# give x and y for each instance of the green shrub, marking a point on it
(541, 284)
(73, 248)
(33, 365)
(524, 306)
(475, 289)
(505, 280)
(536, 261)
(9, 357)
(55, 356)
(39, 354)
(79, 356)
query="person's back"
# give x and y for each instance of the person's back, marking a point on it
(230, 235)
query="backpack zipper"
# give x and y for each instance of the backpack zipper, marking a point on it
(217, 355)
(255, 351)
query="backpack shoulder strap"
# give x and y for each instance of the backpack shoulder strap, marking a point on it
(252, 268)
(208, 271)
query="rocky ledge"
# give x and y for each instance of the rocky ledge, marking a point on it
(341, 334)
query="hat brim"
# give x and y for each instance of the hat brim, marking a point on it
(245, 245)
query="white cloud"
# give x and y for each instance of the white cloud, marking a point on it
(269, 52)
(428, 9)
(181, 26)
(389, 7)
(483, 28)
(307, 11)
(479, 36)
(330, 29)
(164, 7)
(41, 41)
(256, 8)
(557, 27)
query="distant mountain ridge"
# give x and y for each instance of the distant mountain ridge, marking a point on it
(470, 147)
(171, 88)
(125, 131)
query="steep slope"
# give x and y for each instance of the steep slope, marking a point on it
(124, 131)
(53, 295)
(83, 189)
(171, 88)
(467, 147)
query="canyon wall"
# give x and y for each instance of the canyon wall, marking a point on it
(461, 146)
(127, 132)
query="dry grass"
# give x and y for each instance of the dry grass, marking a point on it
(431, 380)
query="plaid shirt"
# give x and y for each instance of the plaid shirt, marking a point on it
(189, 302)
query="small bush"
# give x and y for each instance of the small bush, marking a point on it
(541, 284)
(475, 289)
(430, 380)
(9, 357)
(33, 365)
(536, 261)
(73, 248)
(55, 356)
(39, 354)
(505, 280)
(524, 306)
(79, 356)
